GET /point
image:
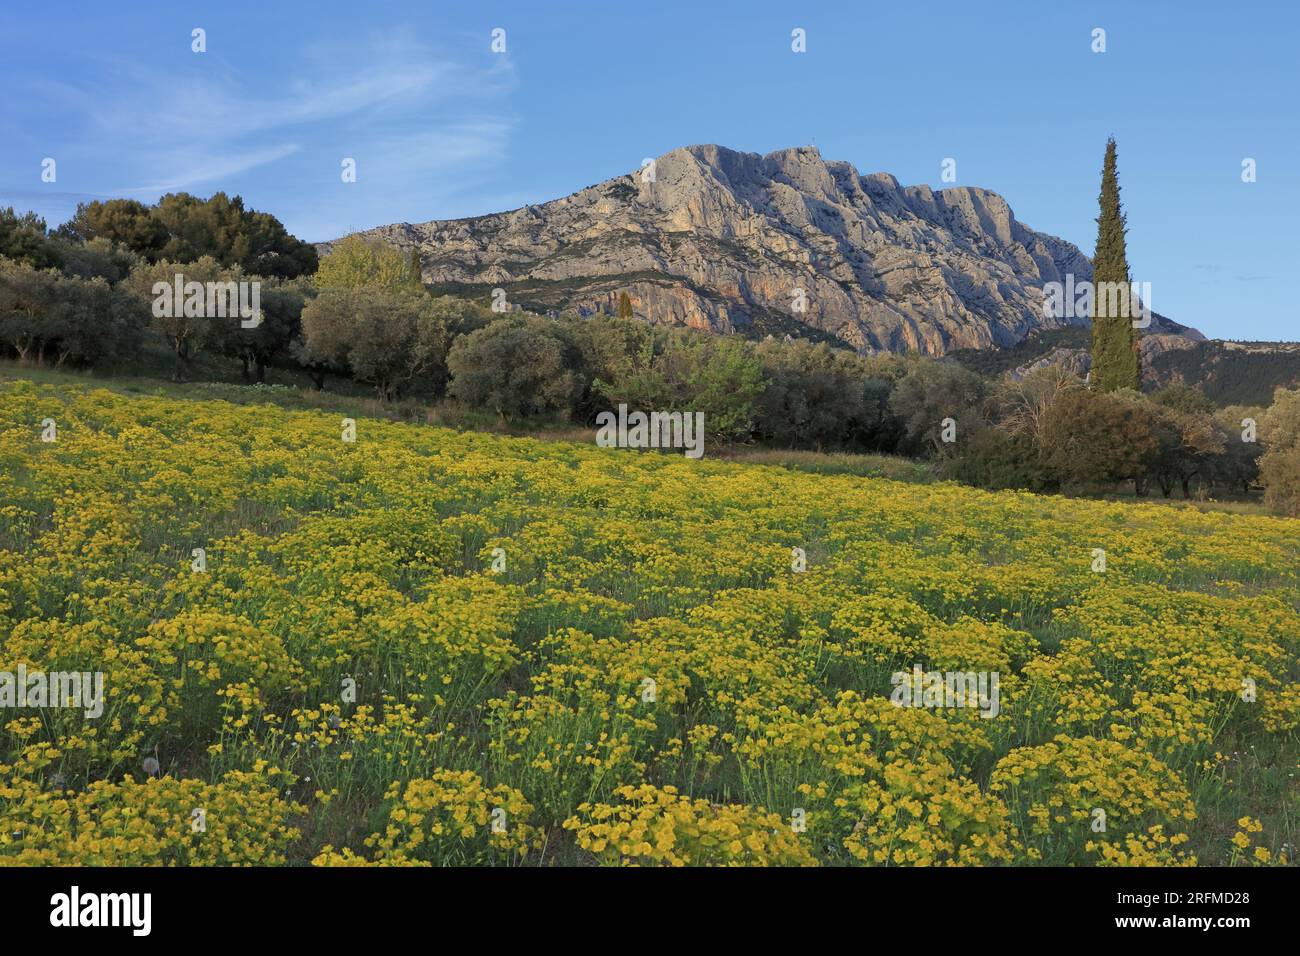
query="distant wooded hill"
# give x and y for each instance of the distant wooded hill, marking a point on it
(1227, 373)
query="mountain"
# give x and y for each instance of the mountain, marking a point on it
(727, 241)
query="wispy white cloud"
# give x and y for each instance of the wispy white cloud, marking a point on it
(409, 107)
(201, 166)
(398, 154)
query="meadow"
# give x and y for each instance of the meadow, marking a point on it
(429, 646)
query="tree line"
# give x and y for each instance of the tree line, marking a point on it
(80, 296)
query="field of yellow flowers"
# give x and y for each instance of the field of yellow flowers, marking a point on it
(424, 647)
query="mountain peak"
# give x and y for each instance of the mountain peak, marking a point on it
(783, 242)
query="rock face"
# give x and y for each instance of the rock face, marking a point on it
(786, 243)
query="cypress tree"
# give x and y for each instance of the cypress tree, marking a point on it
(624, 306)
(1114, 339)
(416, 269)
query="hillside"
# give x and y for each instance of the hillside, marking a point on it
(1234, 373)
(425, 647)
(1227, 373)
(724, 240)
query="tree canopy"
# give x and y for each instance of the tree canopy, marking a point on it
(184, 228)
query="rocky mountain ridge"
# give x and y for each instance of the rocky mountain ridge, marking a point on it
(786, 243)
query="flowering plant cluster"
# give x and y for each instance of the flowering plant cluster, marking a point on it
(424, 647)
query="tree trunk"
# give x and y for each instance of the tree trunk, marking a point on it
(180, 361)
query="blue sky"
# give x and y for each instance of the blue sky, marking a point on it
(442, 127)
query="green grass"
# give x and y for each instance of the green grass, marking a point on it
(836, 463)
